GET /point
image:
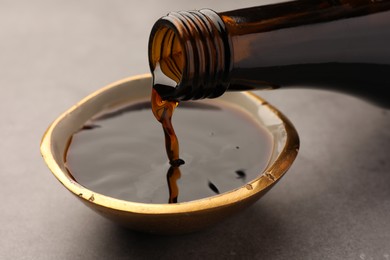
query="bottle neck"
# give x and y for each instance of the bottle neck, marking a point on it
(338, 45)
(190, 55)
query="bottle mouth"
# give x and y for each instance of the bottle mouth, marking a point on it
(189, 55)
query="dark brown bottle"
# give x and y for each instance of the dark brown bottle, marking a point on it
(340, 45)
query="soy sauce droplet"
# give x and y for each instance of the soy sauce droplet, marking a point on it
(213, 187)
(177, 162)
(241, 174)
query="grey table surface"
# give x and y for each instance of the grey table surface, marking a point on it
(333, 203)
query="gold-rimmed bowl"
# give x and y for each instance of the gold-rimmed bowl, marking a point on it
(177, 218)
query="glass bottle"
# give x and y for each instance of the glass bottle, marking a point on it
(340, 45)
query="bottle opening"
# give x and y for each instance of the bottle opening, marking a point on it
(167, 60)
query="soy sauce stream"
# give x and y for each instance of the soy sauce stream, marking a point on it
(163, 111)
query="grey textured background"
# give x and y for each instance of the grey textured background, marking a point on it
(334, 202)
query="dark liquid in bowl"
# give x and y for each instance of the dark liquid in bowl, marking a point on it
(121, 153)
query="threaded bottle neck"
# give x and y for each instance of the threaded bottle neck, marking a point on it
(193, 50)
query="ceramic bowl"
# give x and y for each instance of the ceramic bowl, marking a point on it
(177, 218)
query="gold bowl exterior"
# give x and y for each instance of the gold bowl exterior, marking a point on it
(177, 218)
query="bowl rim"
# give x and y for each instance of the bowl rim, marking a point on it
(269, 176)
